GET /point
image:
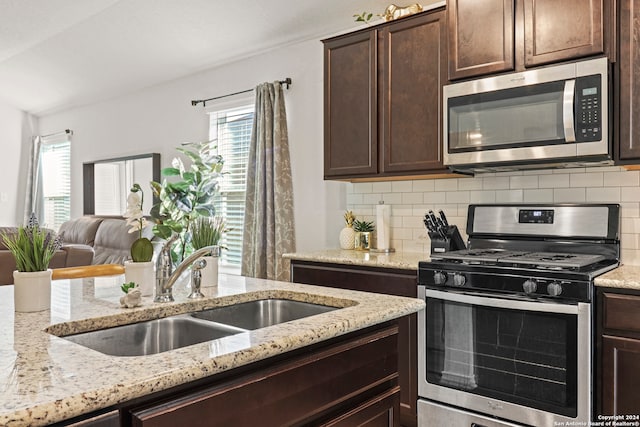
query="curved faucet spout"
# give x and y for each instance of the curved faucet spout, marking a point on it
(165, 278)
(186, 263)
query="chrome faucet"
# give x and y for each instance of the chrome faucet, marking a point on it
(165, 277)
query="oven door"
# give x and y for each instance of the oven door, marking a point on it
(519, 360)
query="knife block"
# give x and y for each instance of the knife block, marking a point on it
(451, 242)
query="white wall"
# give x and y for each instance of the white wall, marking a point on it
(157, 119)
(16, 128)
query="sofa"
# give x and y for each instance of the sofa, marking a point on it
(108, 236)
(87, 240)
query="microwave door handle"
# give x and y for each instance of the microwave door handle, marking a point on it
(567, 111)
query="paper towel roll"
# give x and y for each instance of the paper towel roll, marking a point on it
(383, 226)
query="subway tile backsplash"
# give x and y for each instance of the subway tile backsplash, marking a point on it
(410, 200)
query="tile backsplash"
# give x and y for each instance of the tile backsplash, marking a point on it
(410, 200)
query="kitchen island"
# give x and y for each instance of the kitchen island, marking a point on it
(47, 379)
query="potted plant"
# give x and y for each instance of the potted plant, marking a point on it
(189, 194)
(207, 231)
(32, 248)
(363, 231)
(140, 269)
(347, 234)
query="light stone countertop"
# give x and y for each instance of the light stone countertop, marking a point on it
(44, 378)
(624, 277)
(400, 260)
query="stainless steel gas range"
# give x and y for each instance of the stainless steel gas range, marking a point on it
(506, 337)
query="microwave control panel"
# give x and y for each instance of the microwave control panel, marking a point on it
(588, 108)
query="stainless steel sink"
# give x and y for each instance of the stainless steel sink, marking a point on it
(169, 333)
(262, 313)
(153, 336)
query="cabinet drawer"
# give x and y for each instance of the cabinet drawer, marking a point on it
(621, 312)
(294, 392)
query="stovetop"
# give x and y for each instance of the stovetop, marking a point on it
(540, 260)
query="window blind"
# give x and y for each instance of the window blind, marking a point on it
(230, 130)
(56, 183)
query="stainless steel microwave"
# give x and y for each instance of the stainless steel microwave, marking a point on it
(549, 117)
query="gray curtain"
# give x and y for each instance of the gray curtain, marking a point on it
(268, 222)
(33, 202)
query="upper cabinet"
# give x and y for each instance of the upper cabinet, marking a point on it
(350, 98)
(627, 80)
(481, 37)
(383, 99)
(492, 36)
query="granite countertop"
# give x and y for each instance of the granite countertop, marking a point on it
(400, 260)
(45, 378)
(625, 277)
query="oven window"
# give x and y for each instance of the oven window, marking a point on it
(523, 357)
(507, 118)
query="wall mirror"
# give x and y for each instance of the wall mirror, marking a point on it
(107, 183)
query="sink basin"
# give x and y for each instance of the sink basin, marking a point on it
(153, 336)
(262, 313)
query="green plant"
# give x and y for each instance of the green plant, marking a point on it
(32, 247)
(363, 226)
(141, 248)
(126, 286)
(189, 195)
(363, 17)
(207, 231)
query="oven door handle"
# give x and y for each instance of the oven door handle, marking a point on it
(490, 301)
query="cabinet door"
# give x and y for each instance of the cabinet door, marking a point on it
(620, 376)
(562, 30)
(381, 411)
(350, 102)
(414, 52)
(481, 37)
(386, 281)
(628, 78)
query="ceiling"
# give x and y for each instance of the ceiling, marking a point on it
(56, 54)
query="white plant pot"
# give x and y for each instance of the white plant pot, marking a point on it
(32, 291)
(142, 274)
(210, 271)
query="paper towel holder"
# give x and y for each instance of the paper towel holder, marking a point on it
(376, 250)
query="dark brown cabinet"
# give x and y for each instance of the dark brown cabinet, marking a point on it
(383, 102)
(619, 354)
(501, 35)
(481, 37)
(346, 381)
(627, 78)
(381, 280)
(350, 115)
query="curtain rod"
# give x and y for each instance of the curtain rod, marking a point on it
(286, 82)
(63, 132)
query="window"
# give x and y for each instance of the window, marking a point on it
(230, 129)
(56, 182)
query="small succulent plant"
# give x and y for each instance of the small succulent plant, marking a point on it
(126, 286)
(363, 226)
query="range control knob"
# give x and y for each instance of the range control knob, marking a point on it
(439, 278)
(530, 286)
(459, 279)
(554, 289)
